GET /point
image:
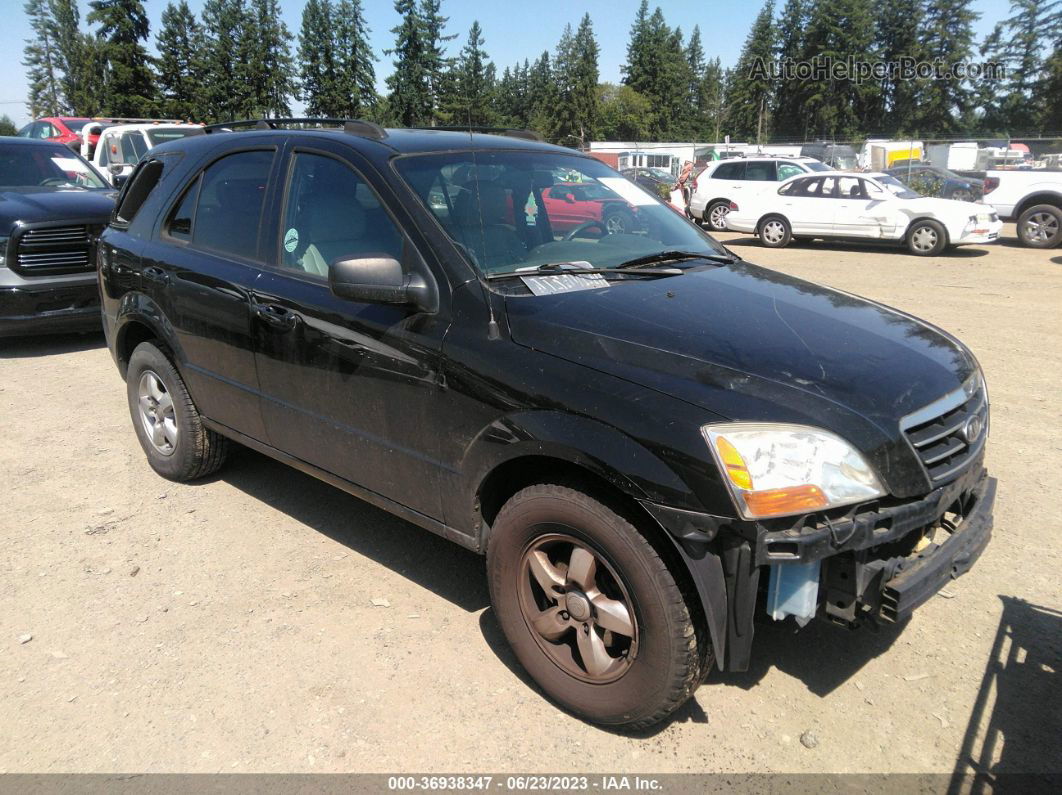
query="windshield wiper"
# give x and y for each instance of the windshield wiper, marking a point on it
(559, 268)
(673, 256)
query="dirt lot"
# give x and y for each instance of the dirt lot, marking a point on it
(229, 625)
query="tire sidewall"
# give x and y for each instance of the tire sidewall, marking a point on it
(149, 357)
(942, 238)
(786, 238)
(636, 693)
(1040, 208)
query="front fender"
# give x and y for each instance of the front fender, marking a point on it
(599, 448)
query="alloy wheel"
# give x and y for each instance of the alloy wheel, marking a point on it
(615, 225)
(717, 216)
(577, 608)
(157, 413)
(1042, 227)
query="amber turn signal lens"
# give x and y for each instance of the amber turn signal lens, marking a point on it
(774, 502)
(734, 463)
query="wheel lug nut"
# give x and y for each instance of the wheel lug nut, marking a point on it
(564, 614)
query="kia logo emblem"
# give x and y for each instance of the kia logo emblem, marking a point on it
(972, 429)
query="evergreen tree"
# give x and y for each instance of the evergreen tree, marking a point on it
(7, 127)
(70, 55)
(542, 96)
(441, 80)
(1051, 91)
(714, 82)
(179, 44)
(354, 61)
(41, 61)
(1019, 44)
(947, 37)
(123, 29)
(790, 94)
(577, 76)
(317, 59)
(897, 37)
(266, 64)
(638, 72)
(410, 101)
(697, 109)
(839, 31)
(749, 91)
(225, 91)
(471, 101)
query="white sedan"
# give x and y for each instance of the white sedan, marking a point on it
(842, 205)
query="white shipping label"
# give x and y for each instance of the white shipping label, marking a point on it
(550, 285)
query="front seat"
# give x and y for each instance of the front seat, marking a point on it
(481, 226)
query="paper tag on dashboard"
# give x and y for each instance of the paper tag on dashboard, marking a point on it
(563, 283)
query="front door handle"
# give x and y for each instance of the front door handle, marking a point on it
(276, 316)
(155, 274)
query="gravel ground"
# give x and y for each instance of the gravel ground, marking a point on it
(264, 621)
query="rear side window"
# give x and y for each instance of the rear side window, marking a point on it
(807, 187)
(729, 171)
(759, 172)
(180, 223)
(787, 170)
(229, 204)
(133, 195)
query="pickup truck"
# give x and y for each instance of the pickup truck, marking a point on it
(1033, 199)
(121, 146)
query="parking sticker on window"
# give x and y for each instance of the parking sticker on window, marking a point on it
(291, 240)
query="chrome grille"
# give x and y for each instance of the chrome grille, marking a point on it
(950, 431)
(55, 248)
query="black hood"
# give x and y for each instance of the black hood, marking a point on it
(33, 205)
(747, 343)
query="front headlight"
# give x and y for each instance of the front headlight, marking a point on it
(779, 470)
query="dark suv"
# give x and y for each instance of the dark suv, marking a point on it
(651, 440)
(53, 205)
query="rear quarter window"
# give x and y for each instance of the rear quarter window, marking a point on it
(135, 192)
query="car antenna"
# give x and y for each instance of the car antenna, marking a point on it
(493, 331)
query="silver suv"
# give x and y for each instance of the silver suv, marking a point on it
(726, 180)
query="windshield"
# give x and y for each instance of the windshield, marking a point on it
(817, 166)
(516, 210)
(896, 188)
(843, 162)
(161, 136)
(45, 166)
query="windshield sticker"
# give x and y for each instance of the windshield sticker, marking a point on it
(291, 240)
(627, 190)
(550, 285)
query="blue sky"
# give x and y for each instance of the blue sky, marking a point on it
(513, 30)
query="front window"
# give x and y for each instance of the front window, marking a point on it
(23, 166)
(161, 136)
(517, 210)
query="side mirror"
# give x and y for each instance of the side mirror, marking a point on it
(380, 279)
(115, 169)
(119, 179)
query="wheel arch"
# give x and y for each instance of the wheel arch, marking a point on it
(919, 218)
(139, 320)
(767, 216)
(1042, 197)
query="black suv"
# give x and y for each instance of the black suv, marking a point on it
(651, 440)
(53, 205)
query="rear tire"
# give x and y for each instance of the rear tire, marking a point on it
(775, 232)
(626, 655)
(166, 421)
(1040, 226)
(926, 238)
(715, 215)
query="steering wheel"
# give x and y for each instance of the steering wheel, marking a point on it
(587, 225)
(55, 181)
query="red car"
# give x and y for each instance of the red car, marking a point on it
(573, 204)
(60, 129)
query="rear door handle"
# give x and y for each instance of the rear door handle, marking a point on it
(276, 316)
(155, 274)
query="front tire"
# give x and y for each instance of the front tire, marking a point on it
(775, 232)
(1040, 226)
(926, 238)
(591, 610)
(618, 222)
(166, 421)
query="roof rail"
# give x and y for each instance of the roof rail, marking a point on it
(528, 135)
(124, 120)
(359, 127)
